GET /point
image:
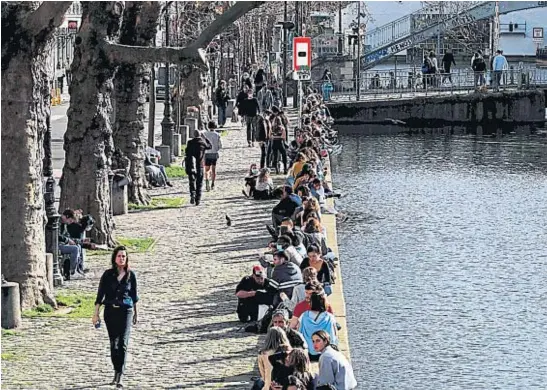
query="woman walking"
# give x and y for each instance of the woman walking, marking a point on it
(118, 293)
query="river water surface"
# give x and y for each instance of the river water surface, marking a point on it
(444, 260)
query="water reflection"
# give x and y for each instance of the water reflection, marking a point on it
(444, 260)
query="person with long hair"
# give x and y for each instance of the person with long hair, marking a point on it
(276, 341)
(334, 368)
(118, 293)
(264, 185)
(317, 318)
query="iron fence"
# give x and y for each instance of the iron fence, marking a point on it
(407, 82)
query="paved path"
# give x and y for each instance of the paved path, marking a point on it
(188, 336)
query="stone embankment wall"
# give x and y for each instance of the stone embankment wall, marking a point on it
(517, 107)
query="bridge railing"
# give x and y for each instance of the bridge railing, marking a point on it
(388, 85)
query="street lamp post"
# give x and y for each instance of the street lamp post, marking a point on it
(167, 123)
(340, 38)
(53, 217)
(358, 50)
(285, 32)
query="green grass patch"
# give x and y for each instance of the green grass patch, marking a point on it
(9, 356)
(159, 203)
(175, 171)
(70, 305)
(10, 333)
(97, 252)
(137, 245)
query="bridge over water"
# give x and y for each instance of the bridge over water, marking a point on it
(410, 30)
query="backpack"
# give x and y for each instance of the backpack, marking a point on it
(479, 64)
(426, 67)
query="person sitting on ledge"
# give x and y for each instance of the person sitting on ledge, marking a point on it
(286, 206)
(313, 286)
(252, 292)
(280, 318)
(324, 268)
(70, 246)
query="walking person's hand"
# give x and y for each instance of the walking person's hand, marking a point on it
(135, 319)
(95, 319)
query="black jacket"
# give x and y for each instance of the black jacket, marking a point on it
(448, 60)
(263, 129)
(195, 152)
(250, 107)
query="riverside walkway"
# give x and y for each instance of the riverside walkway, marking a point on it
(188, 336)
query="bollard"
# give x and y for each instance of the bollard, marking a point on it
(49, 270)
(192, 124)
(119, 200)
(177, 144)
(11, 305)
(184, 131)
(165, 158)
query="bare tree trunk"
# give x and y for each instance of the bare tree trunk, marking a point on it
(26, 108)
(131, 83)
(88, 140)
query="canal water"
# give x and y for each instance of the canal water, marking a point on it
(444, 260)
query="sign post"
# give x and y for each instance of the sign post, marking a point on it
(301, 67)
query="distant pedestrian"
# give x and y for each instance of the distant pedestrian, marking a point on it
(447, 62)
(68, 73)
(265, 98)
(194, 160)
(259, 80)
(479, 66)
(221, 101)
(60, 75)
(118, 293)
(211, 155)
(426, 71)
(434, 68)
(251, 109)
(499, 64)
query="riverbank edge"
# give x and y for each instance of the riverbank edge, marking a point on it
(336, 299)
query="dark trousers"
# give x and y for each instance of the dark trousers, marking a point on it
(195, 179)
(221, 114)
(247, 309)
(447, 75)
(118, 323)
(278, 146)
(251, 133)
(60, 81)
(269, 154)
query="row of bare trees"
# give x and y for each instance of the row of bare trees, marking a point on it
(113, 54)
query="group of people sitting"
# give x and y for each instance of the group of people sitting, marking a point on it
(286, 296)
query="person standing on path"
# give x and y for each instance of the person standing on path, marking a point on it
(447, 61)
(221, 99)
(499, 64)
(211, 155)
(193, 162)
(118, 293)
(251, 109)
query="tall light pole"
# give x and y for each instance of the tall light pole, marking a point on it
(358, 50)
(285, 45)
(340, 38)
(167, 123)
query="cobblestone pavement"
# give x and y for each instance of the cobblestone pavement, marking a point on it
(188, 336)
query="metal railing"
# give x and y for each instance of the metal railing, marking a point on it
(406, 83)
(404, 26)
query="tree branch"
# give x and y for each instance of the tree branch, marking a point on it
(142, 54)
(47, 17)
(224, 21)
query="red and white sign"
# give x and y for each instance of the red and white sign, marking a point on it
(301, 53)
(72, 26)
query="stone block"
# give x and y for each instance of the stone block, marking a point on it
(192, 124)
(184, 131)
(11, 305)
(176, 144)
(165, 158)
(119, 200)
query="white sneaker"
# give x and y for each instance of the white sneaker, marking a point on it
(77, 276)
